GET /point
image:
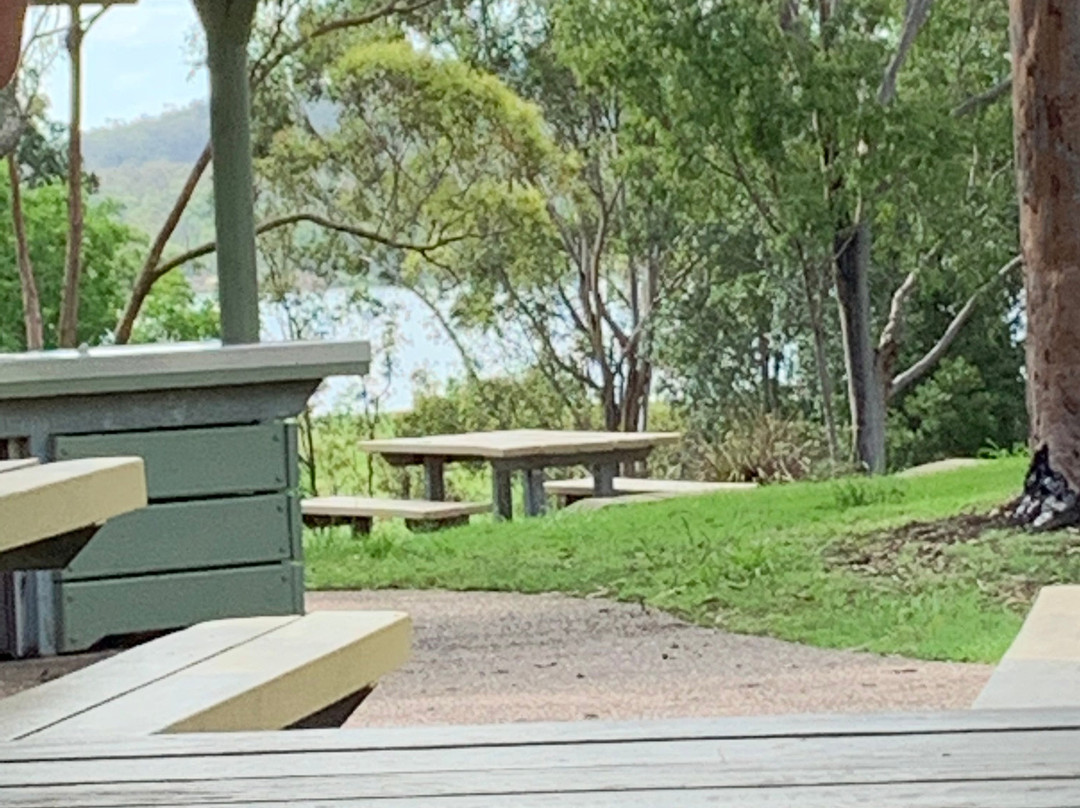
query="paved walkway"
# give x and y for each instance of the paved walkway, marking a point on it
(492, 657)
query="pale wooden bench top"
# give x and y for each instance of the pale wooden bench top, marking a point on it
(632, 485)
(39, 502)
(256, 673)
(506, 444)
(1042, 666)
(361, 507)
(16, 465)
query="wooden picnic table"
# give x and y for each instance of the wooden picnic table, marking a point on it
(1003, 759)
(529, 451)
(48, 512)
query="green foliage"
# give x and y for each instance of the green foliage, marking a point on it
(759, 447)
(110, 259)
(755, 562)
(172, 313)
(955, 413)
(480, 405)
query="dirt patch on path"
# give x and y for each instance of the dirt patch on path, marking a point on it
(493, 657)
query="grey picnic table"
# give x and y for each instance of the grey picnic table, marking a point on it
(529, 451)
(1007, 759)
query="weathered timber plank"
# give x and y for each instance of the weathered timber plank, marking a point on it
(502, 445)
(341, 506)
(857, 726)
(581, 781)
(270, 682)
(998, 794)
(730, 763)
(191, 463)
(633, 485)
(16, 465)
(35, 709)
(178, 536)
(49, 500)
(95, 609)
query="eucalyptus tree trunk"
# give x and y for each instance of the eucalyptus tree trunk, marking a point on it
(866, 387)
(1045, 38)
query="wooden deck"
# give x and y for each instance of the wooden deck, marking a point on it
(986, 759)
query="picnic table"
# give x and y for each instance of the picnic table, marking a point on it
(49, 512)
(529, 451)
(1001, 759)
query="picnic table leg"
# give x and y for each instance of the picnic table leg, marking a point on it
(501, 493)
(604, 479)
(434, 479)
(535, 498)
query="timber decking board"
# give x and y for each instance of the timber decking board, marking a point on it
(509, 444)
(987, 759)
(45, 501)
(269, 682)
(347, 507)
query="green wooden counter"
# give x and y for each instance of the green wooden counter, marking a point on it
(221, 536)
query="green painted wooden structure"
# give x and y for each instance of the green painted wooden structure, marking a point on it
(221, 536)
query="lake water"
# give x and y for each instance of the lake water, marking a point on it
(417, 348)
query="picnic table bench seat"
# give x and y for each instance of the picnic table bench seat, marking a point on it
(419, 514)
(252, 673)
(1042, 666)
(570, 491)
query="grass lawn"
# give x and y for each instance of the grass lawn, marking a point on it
(821, 563)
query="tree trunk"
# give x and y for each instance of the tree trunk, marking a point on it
(866, 391)
(821, 360)
(35, 332)
(69, 296)
(1045, 38)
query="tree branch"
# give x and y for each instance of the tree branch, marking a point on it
(914, 18)
(149, 277)
(906, 379)
(981, 100)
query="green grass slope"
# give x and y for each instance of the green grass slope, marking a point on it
(819, 563)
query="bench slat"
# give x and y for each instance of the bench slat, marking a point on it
(361, 507)
(37, 709)
(269, 682)
(634, 485)
(1042, 666)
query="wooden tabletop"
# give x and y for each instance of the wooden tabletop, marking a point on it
(44, 501)
(519, 443)
(985, 759)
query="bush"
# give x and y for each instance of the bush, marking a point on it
(764, 448)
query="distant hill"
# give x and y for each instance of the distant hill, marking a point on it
(175, 136)
(143, 165)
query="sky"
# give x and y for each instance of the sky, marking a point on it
(136, 62)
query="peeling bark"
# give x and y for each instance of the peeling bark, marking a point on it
(1045, 36)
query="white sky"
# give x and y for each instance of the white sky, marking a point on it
(136, 62)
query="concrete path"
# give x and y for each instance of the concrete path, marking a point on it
(491, 657)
